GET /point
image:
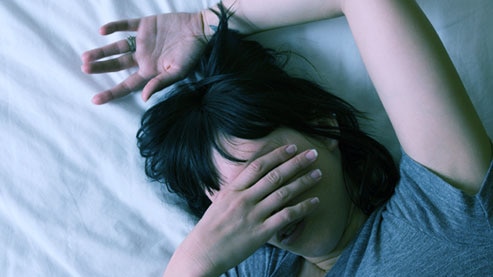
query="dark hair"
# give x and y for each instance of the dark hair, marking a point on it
(239, 90)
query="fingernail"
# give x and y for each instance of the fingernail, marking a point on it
(291, 149)
(316, 174)
(314, 200)
(311, 155)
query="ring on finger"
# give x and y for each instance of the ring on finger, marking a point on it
(132, 45)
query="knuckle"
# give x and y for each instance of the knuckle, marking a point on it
(282, 194)
(299, 162)
(274, 177)
(256, 167)
(304, 207)
(306, 181)
(288, 215)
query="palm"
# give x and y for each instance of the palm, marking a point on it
(167, 47)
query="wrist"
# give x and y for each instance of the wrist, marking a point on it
(210, 20)
(193, 259)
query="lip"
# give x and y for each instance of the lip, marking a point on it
(298, 230)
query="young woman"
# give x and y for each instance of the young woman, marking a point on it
(317, 189)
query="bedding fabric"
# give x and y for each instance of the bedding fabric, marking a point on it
(74, 200)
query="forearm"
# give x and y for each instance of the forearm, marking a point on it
(420, 89)
(252, 16)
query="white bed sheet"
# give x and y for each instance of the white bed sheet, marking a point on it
(74, 200)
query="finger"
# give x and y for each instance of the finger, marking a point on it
(259, 167)
(115, 48)
(282, 196)
(158, 83)
(132, 83)
(120, 25)
(280, 175)
(290, 214)
(112, 65)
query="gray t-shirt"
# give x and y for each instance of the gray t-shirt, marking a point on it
(427, 228)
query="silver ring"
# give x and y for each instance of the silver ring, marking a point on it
(132, 45)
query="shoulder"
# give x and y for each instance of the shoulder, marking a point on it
(425, 222)
(405, 230)
(428, 202)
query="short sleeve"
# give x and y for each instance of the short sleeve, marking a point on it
(440, 229)
(432, 205)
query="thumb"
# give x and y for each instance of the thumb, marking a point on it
(158, 83)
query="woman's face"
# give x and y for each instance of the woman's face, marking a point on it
(321, 232)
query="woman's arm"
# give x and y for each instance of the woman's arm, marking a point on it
(422, 93)
(168, 45)
(416, 81)
(254, 16)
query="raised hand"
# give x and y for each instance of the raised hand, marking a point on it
(246, 213)
(167, 47)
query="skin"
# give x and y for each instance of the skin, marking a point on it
(164, 54)
(424, 98)
(247, 212)
(259, 198)
(325, 232)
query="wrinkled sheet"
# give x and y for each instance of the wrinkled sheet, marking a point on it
(74, 200)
